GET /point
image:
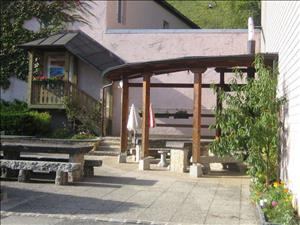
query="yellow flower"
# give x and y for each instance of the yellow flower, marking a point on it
(276, 184)
(286, 190)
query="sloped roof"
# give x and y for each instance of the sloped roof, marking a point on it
(81, 45)
(135, 70)
(167, 6)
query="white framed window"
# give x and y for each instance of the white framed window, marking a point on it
(56, 66)
(166, 25)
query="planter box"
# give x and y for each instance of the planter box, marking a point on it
(262, 218)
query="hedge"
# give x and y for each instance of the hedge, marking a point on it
(25, 123)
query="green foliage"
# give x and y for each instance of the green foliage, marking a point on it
(61, 133)
(222, 14)
(89, 116)
(52, 17)
(83, 135)
(250, 125)
(16, 119)
(275, 201)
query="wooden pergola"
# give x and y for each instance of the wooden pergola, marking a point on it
(198, 66)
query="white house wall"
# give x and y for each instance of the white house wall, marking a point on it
(281, 33)
(89, 80)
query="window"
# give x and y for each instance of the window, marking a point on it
(120, 11)
(56, 66)
(166, 25)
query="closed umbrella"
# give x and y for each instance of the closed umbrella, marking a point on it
(133, 120)
(151, 117)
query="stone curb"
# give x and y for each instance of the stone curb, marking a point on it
(94, 218)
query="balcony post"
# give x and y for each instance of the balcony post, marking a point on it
(30, 64)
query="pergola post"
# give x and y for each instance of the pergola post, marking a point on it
(219, 104)
(124, 117)
(144, 163)
(196, 169)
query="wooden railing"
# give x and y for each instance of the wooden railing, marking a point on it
(55, 93)
(63, 93)
(46, 94)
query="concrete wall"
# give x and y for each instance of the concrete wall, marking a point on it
(17, 90)
(141, 15)
(281, 33)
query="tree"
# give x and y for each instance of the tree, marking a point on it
(250, 125)
(52, 17)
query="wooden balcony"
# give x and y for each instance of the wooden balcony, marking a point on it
(52, 95)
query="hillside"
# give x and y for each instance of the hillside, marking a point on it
(219, 14)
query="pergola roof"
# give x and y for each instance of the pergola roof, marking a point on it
(135, 70)
(81, 45)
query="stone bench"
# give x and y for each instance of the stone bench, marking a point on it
(88, 169)
(227, 161)
(25, 168)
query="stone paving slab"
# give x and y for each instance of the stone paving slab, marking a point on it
(120, 194)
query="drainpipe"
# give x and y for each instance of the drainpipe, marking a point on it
(251, 41)
(103, 104)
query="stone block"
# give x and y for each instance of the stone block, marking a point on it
(24, 176)
(122, 158)
(144, 164)
(61, 178)
(179, 160)
(196, 170)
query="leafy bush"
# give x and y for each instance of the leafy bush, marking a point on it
(275, 201)
(61, 133)
(250, 125)
(17, 119)
(83, 135)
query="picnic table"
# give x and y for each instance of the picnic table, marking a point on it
(12, 149)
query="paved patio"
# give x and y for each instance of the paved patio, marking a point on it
(120, 194)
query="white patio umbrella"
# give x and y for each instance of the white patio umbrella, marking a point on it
(152, 123)
(133, 120)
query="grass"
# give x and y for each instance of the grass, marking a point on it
(221, 14)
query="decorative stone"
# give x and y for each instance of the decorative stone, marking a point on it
(144, 164)
(122, 158)
(137, 153)
(196, 170)
(179, 160)
(163, 159)
(24, 176)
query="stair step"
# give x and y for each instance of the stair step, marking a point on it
(104, 153)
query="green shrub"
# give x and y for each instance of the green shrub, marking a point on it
(61, 133)
(83, 135)
(25, 123)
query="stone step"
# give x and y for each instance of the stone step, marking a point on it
(104, 153)
(109, 145)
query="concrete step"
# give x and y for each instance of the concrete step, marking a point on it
(109, 145)
(104, 153)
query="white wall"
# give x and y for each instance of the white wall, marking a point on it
(17, 90)
(281, 33)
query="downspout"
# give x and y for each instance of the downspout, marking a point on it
(103, 104)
